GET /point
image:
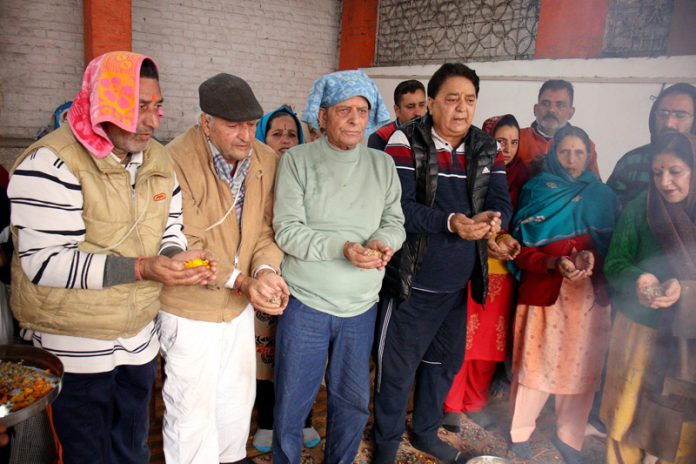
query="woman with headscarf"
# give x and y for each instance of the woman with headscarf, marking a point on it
(649, 402)
(487, 330)
(281, 130)
(564, 223)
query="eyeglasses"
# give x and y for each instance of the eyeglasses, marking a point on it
(678, 114)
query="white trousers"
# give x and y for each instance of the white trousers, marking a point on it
(209, 388)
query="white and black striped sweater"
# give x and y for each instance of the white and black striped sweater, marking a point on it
(47, 206)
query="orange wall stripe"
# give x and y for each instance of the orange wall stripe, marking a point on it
(571, 28)
(358, 34)
(107, 27)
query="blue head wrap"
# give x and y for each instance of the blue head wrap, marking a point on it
(334, 88)
(262, 126)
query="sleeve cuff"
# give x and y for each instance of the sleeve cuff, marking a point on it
(335, 248)
(261, 267)
(449, 228)
(118, 270)
(170, 249)
(233, 278)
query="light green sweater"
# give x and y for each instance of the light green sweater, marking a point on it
(323, 198)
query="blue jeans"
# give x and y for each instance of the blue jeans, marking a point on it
(305, 338)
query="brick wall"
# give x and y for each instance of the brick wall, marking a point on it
(278, 46)
(41, 61)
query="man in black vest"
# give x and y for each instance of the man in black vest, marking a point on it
(454, 197)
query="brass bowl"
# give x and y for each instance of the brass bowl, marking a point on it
(40, 359)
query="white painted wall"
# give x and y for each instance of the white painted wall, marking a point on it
(612, 96)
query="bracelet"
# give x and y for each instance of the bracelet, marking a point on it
(500, 237)
(138, 270)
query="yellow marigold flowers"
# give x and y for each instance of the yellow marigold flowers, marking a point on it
(197, 262)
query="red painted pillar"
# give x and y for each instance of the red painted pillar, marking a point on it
(358, 34)
(107, 26)
(571, 29)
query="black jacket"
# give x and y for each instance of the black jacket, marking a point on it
(480, 152)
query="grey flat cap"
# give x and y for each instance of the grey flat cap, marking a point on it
(229, 97)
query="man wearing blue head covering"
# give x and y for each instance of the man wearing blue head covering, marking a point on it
(338, 218)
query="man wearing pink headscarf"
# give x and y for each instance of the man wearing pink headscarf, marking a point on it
(97, 226)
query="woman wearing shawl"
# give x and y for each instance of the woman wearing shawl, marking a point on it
(563, 315)
(649, 401)
(487, 330)
(280, 129)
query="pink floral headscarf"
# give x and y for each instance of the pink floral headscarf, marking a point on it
(110, 90)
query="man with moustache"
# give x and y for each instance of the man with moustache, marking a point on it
(207, 334)
(553, 110)
(454, 197)
(673, 111)
(338, 218)
(409, 103)
(96, 219)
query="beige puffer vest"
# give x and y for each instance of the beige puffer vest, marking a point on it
(117, 222)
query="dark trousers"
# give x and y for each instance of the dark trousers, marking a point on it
(423, 339)
(104, 418)
(264, 404)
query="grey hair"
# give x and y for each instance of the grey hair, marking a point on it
(208, 118)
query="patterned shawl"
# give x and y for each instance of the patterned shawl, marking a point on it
(555, 206)
(110, 92)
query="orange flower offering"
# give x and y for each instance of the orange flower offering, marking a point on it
(21, 386)
(197, 263)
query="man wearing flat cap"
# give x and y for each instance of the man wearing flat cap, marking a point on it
(338, 218)
(207, 334)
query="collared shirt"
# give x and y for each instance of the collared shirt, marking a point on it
(234, 174)
(537, 127)
(459, 151)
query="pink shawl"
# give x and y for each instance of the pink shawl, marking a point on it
(110, 90)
